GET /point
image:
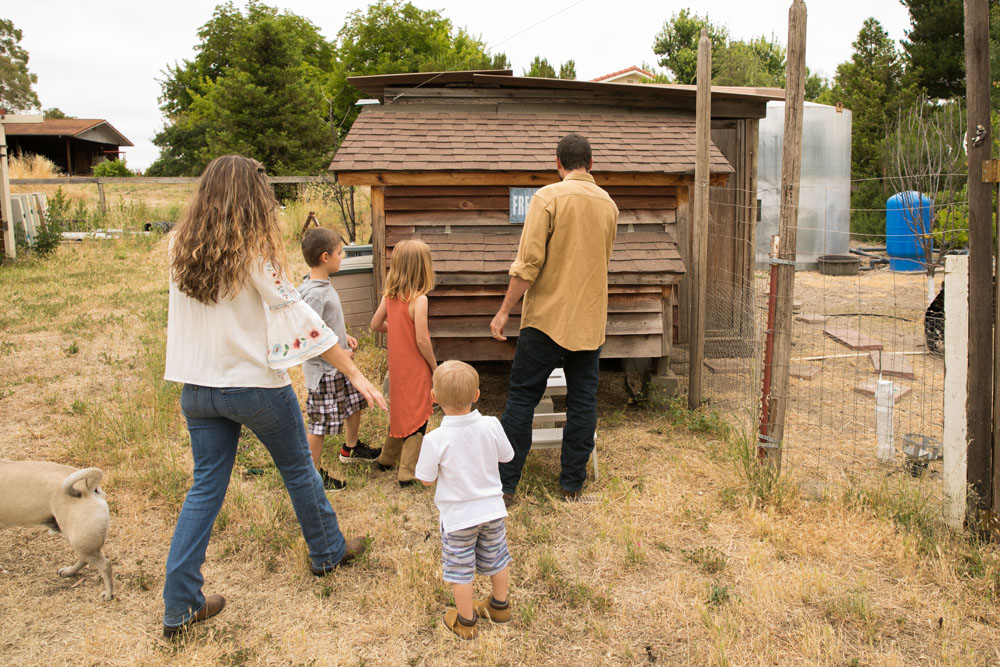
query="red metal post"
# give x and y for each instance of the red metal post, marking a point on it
(772, 299)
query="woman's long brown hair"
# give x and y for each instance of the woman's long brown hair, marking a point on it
(230, 224)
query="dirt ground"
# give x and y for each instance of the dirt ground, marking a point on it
(678, 562)
(830, 429)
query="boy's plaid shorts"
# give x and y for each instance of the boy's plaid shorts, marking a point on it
(332, 403)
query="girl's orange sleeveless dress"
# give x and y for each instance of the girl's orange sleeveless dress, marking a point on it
(410, 403)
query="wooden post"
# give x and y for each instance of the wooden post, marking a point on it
(9, 244)
(700, 222)
(6, 218)
(791, 163)
(100, 197)
(980, 412)
(995, 458)
(378, 239)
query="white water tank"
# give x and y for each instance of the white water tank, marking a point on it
(824, 223)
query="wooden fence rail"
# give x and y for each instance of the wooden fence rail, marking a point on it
(6, 232)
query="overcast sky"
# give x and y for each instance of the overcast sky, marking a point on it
(102, 59)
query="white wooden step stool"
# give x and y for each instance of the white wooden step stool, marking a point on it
(544, 432)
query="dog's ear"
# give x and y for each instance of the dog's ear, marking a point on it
(93, 477)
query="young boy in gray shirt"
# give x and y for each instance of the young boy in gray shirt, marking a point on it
(333, 404)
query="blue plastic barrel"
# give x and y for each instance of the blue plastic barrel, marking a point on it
(907, 220)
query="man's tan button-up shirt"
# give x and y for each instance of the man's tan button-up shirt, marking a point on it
(565, 248)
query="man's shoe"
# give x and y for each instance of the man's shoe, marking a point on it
(383, 467)
(213, 605)
(464, 631)
(571, 496)
(355, 548)
(485, 608)
(331, 483)
(360, 453)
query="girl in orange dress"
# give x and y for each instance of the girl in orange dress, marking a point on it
(402, 314)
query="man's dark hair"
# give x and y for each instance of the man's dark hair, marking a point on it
(574, 152)
(318, 240)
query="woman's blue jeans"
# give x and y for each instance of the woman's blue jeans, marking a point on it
(214, 417)
(536, 357)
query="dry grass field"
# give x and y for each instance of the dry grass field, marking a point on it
(693, 556)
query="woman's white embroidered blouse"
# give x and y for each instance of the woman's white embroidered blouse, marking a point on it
(247, 340)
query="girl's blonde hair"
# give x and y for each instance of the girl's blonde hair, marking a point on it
(230, 223)
(411, 270)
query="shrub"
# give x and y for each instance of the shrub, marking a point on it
(868, 210)
(50, 236)
(112, 168)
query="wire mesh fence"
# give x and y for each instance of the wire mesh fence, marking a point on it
(849, 333)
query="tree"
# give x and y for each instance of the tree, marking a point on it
(754, 62)
(757, 62)
(252, 88)
(568, 70)
(55, 112)
(935, 46)
(16, 92)
(540, 67)
(390, 37)
(924, 153)
(871, 86)
(677, 44)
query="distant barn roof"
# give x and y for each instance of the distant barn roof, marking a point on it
(424, 138)
(87, 129)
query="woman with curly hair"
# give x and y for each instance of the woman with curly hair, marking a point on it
(235, 323)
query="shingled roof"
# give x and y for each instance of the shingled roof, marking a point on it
(90, 129)
(634, 252)
(427, 139)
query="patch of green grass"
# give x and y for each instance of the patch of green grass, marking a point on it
(762, 480)
(906, 502)
(708, 559)
(718, 594)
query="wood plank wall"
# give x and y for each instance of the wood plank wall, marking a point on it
(469, 290)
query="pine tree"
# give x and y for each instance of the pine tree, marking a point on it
(871, 86)
(935, 46)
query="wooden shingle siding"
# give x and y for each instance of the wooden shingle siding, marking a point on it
(473, 244)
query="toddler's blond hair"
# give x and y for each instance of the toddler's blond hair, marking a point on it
(455, 384)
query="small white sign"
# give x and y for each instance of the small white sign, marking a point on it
(519, 200)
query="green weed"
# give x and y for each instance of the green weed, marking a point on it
(708, 559)
(718, 594)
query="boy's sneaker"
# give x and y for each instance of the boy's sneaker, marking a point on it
(485, 608)
(358, 453)
(331, 483)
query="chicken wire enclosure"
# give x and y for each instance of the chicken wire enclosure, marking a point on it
(824, 219)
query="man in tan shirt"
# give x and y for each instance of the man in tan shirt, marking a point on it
(561, 270)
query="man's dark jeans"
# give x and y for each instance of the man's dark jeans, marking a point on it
(536, 356)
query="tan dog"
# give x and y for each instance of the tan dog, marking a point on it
(64, 499)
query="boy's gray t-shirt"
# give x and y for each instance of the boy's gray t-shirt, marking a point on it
(324, 300)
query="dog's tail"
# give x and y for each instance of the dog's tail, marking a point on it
(93, 476)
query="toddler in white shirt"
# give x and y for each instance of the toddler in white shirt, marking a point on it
(463, 455)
